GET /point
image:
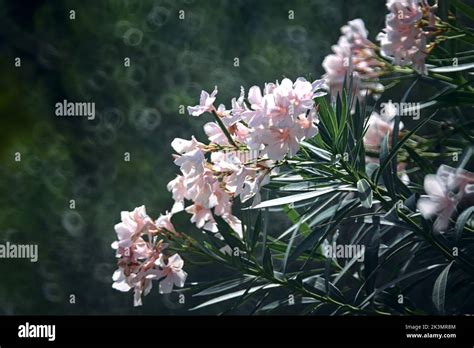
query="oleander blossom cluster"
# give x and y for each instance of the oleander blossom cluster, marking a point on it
(142, 255)
(408, 29)
(245, 143)
(354, 55)
(445, 190)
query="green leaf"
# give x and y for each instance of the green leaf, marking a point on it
(285, 302)
(267, 262)
(229, 234)
(467, 10)
(227, 285)
(295, 218)
(452, 68)
(254, 232)
(424, 271)
(288, 248)
(365, 193)
(316, 237)
(424, 164)
(234, 295)
(371, 259)
(319, 283)
(301, 196)
(327, 118)
(461, 222)
(387, 174)
(439, 289)
(396, 124)
(321, 153)
(394, 150)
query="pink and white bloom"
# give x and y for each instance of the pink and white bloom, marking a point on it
(404, 39)
(164, 222)
(139, 253)
(191, 160)
(445, 190)
(169, 272)
(354, 54)
(270, 128)
(379, 125)
(178, 189)
(206, 103)
(132, 225)
(202, 217)
(280, 142)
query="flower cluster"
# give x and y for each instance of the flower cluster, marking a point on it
(408, 28)
(244, 144)
(354, 54)
(141, 258)
(445, 191)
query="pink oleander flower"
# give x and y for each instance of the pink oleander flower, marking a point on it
(405, 39)
(280, 142)
(445, 190)
(283, 117)
(178, 189)
(244, 173)
(139, 251)
(191, 160)
(354, 54)
(202, 217)
(170, 273)
(378, 127)
(132, 225)
(206, 103)
(270, 128)
(238, 130)
(164, 222)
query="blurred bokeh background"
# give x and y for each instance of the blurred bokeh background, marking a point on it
(137, 111)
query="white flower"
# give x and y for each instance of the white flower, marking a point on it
(404, 39)
(132, 224)
(206, 103)
(445, 190)
(202, 217)
(354, 54)
(280, 141)
(120, 281)
(171, 273)
(164, 222)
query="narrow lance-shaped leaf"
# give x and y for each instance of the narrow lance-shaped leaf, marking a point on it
(301, 196)
(394, 150)
(439, 289)
(267, 262)
(316, 237)
(365, 193)
(464, 8)
(453, 68)
(396, 123)
(461, 222)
